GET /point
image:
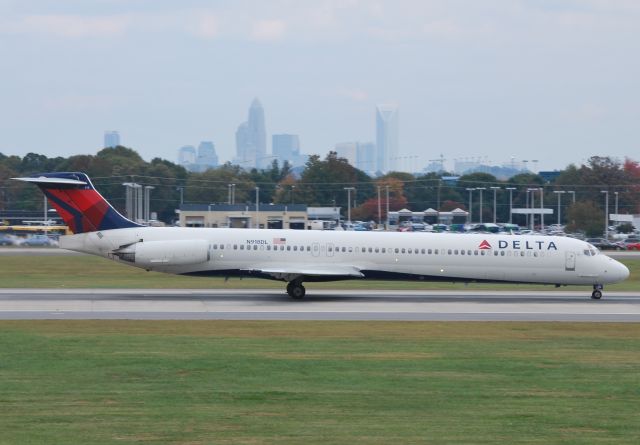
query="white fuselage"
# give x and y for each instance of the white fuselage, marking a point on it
(327, 255)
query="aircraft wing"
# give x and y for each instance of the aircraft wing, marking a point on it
(310, 270)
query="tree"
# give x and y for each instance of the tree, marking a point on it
(587, 217)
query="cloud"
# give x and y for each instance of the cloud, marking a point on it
(207, 26)
(354, 94)
(268, 30)
(72, 26)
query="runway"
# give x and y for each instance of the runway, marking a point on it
(144, 304)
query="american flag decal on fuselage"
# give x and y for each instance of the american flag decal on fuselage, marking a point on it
(279, 241)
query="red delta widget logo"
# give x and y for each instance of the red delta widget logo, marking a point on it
(520, 245)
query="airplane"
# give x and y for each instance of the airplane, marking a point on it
(298, 256)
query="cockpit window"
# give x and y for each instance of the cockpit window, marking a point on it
(591, 250)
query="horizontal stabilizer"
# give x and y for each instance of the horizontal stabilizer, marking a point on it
(51, 181)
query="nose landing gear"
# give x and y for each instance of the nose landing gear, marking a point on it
(597, 292)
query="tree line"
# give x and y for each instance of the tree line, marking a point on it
(323, 182)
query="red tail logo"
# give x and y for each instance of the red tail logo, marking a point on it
(484, 245)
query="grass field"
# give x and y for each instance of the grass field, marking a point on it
(216, 382)
(95, 272)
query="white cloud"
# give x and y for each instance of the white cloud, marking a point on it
(73, 26)
(268, 30)
(207, 26)
(354, 94)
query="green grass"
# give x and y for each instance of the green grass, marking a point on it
(85, 271)
(216, 382)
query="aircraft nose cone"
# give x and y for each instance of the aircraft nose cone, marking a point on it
(623, 271)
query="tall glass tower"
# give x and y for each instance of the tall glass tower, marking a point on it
(251, 139)
(386, 138)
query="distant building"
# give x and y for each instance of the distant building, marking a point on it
(386, 138)
(251, 139)
(187, 156)
(111, 139)
(286, 147)
(207, 157)
(366, 157)
(347, 150)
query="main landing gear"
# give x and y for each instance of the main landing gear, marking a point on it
(597, 291)
(296, 290)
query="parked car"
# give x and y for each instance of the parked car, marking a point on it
(604, 244)
(632, 246)
(7, 240)
(38, 241)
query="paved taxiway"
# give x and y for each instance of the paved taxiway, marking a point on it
(145, 304)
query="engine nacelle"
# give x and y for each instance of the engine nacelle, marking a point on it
(165, 253)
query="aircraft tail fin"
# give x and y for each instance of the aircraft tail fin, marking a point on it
(78, 203)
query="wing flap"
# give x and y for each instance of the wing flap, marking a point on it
(311, 270)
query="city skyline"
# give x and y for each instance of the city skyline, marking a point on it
(553, 81)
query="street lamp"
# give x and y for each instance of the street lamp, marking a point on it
(573, 196)
(257, 206)
(511, 189)
(533, 207)
(481, 189)
(349, 189)
(559, 193)
(387, 224)
(606, 213)
(379, 209)
(541, 207)
(470, 190)
(495, 189)
(616, 193)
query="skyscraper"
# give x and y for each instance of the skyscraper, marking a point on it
(386, 137)
(251, 139)
(366, 157)
(111, 139)
(207, 157)
(347, 150)
(187, 156)
(286, 147)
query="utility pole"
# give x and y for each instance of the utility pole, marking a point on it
(616, 193)
(511, 189)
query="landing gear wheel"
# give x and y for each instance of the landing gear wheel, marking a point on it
(596, 295)
(296, 290)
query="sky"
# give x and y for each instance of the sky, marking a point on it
(555, 81)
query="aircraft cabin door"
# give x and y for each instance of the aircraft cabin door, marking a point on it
(570, 261)
(315, 249)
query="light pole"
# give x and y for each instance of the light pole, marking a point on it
(147, 202)
(606, 213)
(559, 193)
(293, 187)
(387, 224)
(470, 190)
(181, 188)
(257, 206)
(533, 207)
(481, 189)
(379, 209)
(573, 196)
(541, 207)
(229, 194)
(511, 189)
(495, 190)
(616, 193)
(349, 189)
